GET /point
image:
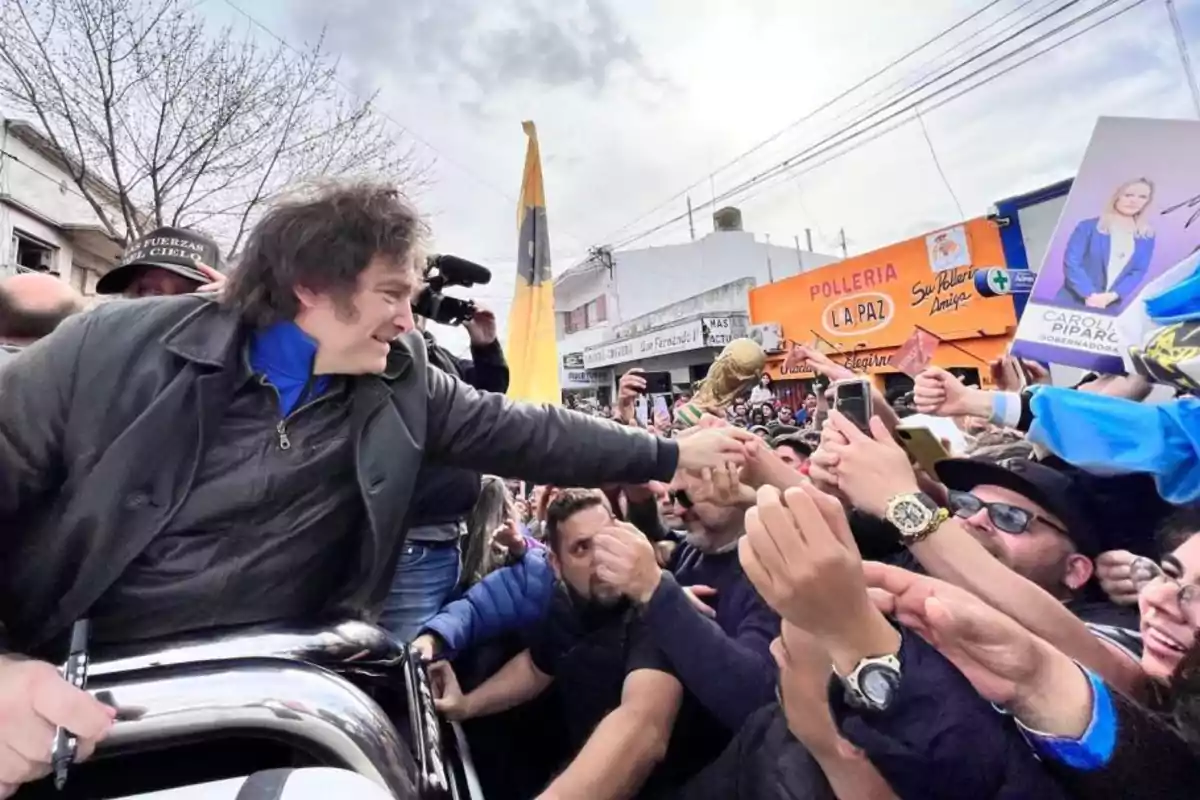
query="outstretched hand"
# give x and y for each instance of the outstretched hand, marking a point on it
(868, 470)
(800, 555)
(1005, 662)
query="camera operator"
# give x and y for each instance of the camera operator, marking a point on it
(429, 566)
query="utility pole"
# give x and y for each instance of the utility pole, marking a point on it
(1181, 43)
(842, 242)
(808, 238)
(691, 222)
(799, 255)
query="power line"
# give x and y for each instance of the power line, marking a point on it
(945, 101)
(1181, 45)
(946, 73)
(848, 134)
(796, 123)
(937, 163)
(937, 61)
(404, 128)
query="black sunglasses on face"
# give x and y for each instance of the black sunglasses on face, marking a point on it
(1005, 516)
(682, 498)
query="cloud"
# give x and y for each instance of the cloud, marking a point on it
(470, 51)
(619, 135)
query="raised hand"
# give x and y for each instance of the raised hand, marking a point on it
(867, 470)
(937, 392)
(625, 559)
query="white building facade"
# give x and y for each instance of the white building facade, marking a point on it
(46, 224)
(663, 309)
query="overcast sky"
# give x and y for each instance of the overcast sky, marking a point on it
(637, 99)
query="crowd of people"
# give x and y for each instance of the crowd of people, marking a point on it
(776, 602)
(825, 619)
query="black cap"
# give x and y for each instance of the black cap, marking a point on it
(176, 250)
(1049, 488)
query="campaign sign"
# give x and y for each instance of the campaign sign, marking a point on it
(1132, 214)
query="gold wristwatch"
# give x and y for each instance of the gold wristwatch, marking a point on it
(915, 515)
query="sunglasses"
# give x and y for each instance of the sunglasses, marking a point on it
(681, 497)
(1005, 516)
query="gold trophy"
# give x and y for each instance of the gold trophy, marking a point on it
(739, 367)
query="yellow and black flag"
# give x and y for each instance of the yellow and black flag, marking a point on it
(532, 350)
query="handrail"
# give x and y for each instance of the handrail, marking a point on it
(301, 704)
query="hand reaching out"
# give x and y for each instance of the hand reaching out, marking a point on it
(625, 559)
(1004, 662)
(720, 487)
(800, 555)
(867, 470)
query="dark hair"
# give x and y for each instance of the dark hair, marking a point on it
(321, 242)
(23, 323)
(567, 504)
(1180, 525)
(1185, 696)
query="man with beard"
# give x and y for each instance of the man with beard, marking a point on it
(1030, 517)
(702, 612)
(619, 698)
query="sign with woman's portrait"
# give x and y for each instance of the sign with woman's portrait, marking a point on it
(1126, 222)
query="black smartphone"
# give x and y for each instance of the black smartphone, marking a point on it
(852, 397)
(657, 382)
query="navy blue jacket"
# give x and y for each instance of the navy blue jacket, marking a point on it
(940, 740)
(510, 598)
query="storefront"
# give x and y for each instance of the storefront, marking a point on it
(685, 349)
(861, 310)
(583, 386)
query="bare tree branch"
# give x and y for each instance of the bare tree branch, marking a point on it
(190, 126)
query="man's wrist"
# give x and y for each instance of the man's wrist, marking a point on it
(646, 592)
(1056, 700)
(979, 403)
(869, 636)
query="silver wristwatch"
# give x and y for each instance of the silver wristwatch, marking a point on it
(873, 683)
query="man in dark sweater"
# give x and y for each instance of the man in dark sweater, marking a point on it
(701, 610)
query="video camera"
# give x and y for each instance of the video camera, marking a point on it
(440, 272)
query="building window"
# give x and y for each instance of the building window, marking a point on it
(32, 254)
(597, 311)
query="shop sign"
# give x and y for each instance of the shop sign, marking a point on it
(720, 331)
(573, 361)
(675, 339)
(585, 379)
(876, 300)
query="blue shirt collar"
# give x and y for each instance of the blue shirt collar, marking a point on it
(283, 352)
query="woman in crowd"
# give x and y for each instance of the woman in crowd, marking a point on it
(493, 532)
(762, 393)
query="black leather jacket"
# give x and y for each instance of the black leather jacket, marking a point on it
(103, 424)
(447, 494)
